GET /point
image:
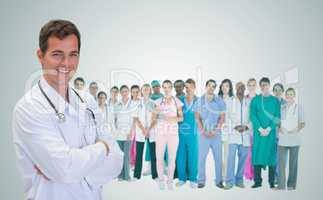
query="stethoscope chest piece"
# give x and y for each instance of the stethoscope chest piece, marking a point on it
(61, 117)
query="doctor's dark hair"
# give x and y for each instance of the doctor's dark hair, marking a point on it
(93, 84)
(167, 81)
(230, 87)
(278, 85)
(291, 90)
(124, 87)
(264, 80)
(114, 88)
(79, 79)
(102, 93)
(179, 82)
(210, 81)
(57, 28)
(134, 87)
(190, 81)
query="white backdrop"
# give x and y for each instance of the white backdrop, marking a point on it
(126, 42)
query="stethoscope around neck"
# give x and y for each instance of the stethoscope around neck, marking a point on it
(61, 116)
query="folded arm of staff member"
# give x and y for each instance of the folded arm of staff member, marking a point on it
(112, 165)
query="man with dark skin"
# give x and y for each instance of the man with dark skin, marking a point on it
(179, 88)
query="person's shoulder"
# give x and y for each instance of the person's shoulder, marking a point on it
(275, 100)
(117, 105)
(256, 98)
(85, 95)
(87, 98)
(151, 102)
(182, 98)
(219, 102)
(218, 99)
(200, 99)
(135, 103)
(31, 106)
(230, 98)
(158, 101)
(179, 100)
(151, 105)
(30, 101)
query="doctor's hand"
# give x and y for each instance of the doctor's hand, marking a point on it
(129, 136)
(146, 133)
(41, 173)
(212, 133)
(204, 132)
(172, 119)
(263, 132)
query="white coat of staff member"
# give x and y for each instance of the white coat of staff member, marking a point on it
(62, 151)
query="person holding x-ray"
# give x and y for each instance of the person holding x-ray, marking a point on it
(62, 151)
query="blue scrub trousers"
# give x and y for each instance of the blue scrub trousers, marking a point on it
(187, 158)
(205, 144)
(234, 177)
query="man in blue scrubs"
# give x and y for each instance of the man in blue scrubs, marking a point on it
(187, 152)
(209, 113)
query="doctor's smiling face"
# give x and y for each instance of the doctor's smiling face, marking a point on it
(290, 95)
(189, 88)
(252, 86)
(210, 87)
(167, 87)
(124, 91)
(146, 90)
(58, 53)
(265, 86)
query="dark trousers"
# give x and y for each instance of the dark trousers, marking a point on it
(257, 174)
(139, 155)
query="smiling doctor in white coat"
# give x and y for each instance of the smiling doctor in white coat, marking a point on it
(62, 151)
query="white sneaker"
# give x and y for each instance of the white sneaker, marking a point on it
(193, 185)
(161, 184)
(170, 185)
(147, 172)
(134, 179)
(180, 183)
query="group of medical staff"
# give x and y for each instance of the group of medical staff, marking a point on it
(71, 141)
(245, 131)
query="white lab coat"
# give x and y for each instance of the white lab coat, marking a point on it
(291, 116)
(226, 129)
(144, 115)
(65, 152)
(124, 114)
(238, 113)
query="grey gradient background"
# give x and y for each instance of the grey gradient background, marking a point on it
(174, 39)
